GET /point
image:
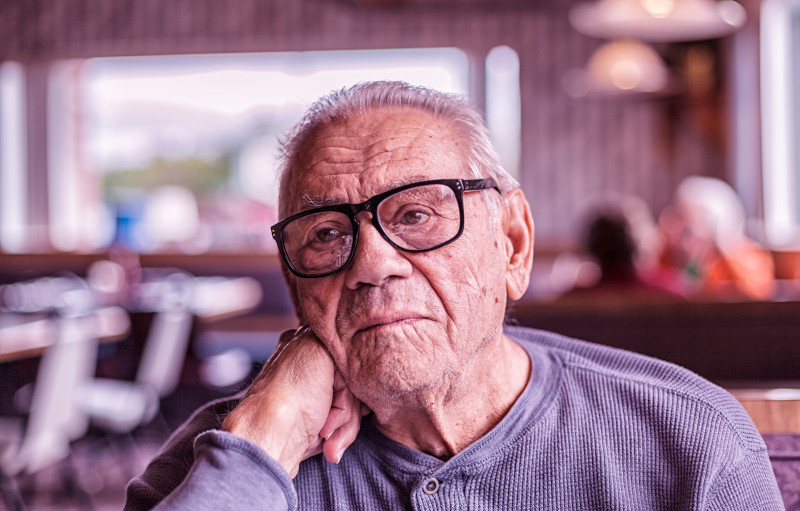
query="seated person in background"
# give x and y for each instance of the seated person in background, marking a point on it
(403, 238)
(706, 249)
(617, 240)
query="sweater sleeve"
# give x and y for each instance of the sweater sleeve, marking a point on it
(201, 467)
(227, 473)
(751, 485)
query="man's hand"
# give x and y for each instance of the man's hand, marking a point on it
(298, 405)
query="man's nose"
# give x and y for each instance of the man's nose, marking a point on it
(374, 259)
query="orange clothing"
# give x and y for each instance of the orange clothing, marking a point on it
(747, 272)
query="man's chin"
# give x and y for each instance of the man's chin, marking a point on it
(382, 382)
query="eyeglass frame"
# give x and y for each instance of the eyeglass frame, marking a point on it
(459, 186)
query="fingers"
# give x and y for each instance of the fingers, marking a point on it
(341, 406)
(333, 448)
(343, 422)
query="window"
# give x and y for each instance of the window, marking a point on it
(780, 81)
(503, 105)
(178, 152)
(13, 199)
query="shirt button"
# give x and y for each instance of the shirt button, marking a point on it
(431, 487)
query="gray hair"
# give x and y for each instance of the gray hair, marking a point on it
(718, 203)
(465, 121)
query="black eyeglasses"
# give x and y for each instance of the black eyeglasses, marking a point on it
(413, 218)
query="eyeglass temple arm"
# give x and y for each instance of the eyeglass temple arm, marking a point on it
(480, 184)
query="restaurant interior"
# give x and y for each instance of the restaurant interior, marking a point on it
(139, 141)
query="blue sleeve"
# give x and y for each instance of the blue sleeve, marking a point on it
(231, 473)
(201, 467)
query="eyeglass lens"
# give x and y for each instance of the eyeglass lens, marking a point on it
(418, 218)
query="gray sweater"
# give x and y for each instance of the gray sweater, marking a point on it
(596, 428)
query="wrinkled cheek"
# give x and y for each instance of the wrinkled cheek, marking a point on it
(313, 308)
(318, 307)
(483, 288)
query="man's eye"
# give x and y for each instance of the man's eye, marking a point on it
(327, 234)
(414, 217)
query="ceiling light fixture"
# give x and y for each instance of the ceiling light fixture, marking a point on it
(619, 67)
(658, 20)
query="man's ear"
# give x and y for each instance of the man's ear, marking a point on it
(519, 243)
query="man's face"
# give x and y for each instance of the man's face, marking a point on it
(397, 322)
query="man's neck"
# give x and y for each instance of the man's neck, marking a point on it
(445, 419)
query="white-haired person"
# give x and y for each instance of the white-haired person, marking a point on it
(706, 248)
(403, 239)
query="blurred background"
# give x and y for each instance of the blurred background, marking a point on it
(658, 142)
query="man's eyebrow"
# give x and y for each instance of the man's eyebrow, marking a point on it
(308, 202)
(407, 180)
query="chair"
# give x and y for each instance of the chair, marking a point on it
(68, 360)
(120, 406)
(53, 419)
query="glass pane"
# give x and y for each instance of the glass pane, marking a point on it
(13, 197)
(319, 243)
(780, 77)
(794, 86)
(503, 105)
(421, 217)
(186, 146)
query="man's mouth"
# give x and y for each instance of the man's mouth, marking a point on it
(391, 320)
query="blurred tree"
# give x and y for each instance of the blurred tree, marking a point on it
(201, 176)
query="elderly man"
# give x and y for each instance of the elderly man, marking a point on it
(403, 239)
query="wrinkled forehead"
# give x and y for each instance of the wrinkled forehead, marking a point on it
(351, 159)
